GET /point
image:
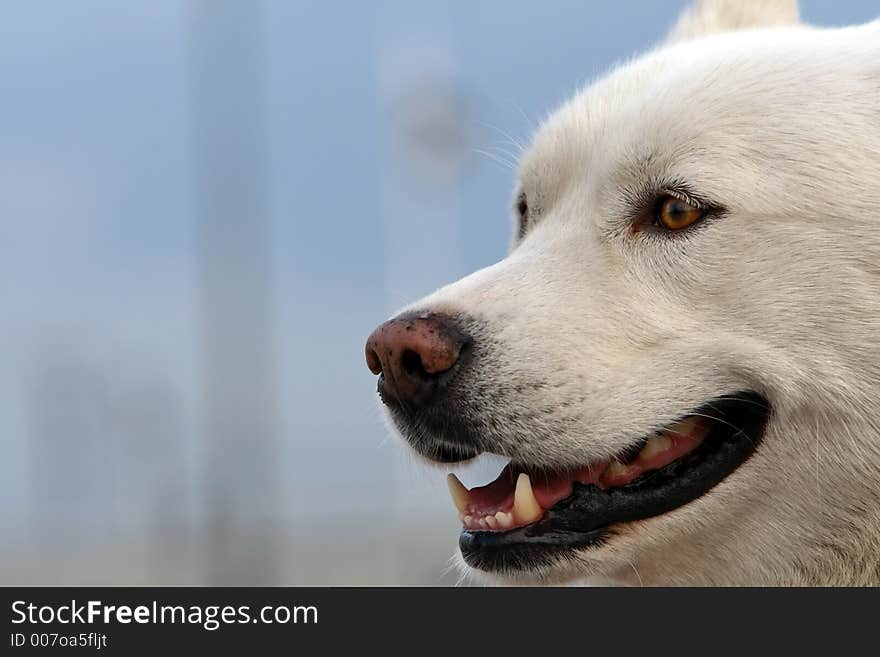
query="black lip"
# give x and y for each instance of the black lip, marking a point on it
(587, 517)
(447, 454)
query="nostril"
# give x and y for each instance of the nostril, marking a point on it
(413, 366)
(373, 361)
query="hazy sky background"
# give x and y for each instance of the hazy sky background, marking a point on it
(101, 385)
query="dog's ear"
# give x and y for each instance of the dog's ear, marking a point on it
(706, 17)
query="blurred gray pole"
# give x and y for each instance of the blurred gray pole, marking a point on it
(422, 173)
(233, 243)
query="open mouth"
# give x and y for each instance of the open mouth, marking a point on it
(526, 518)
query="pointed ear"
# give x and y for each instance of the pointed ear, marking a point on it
(706, 17)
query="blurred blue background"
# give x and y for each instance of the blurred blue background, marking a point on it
(205, 208)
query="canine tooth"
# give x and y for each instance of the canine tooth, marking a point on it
(505, 520)
(684, 427)
(525, 507)
(458, 492)
(615, 469)
(492, 522)
(654, 446)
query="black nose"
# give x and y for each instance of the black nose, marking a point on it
(414, 355)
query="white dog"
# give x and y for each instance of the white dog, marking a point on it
(681, 353)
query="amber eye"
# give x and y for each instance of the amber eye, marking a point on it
(675, 214)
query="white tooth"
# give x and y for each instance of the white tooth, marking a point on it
(525, 507)
(615, 469)
(685, 427)
(469, 522)
(654, 446)
(505, 520)
(458, 491)
(483, 524)
(492, 522)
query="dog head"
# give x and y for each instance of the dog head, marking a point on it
(679, 355)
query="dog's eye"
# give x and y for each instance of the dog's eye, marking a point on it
(675, 214)
(522, 206)
(522, 211)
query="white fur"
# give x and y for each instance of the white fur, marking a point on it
(713, 16)
(595, 335)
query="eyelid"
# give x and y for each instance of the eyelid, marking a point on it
(684, 197)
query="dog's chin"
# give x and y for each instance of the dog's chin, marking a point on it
(533, 525)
